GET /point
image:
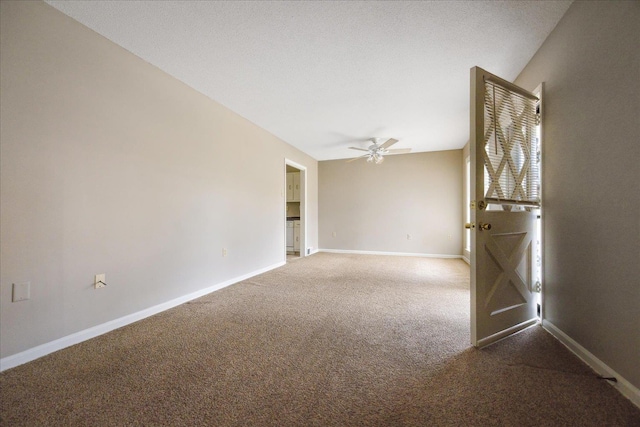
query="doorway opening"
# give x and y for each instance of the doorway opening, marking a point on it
(294, 211)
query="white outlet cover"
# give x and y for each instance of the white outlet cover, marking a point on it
(21, 291)
(100, 278)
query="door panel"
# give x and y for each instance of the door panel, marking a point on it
(505, 193)
(505, 257)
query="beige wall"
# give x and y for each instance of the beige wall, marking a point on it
(373, 207)
(109, 165)
(591, 178)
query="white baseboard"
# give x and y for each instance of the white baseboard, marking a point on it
(625, 387)
(348, 251)
(465, 259)
(78, 337)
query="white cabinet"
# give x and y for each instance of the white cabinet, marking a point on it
(293, 236)
(293, 186)
(296, 236)
(289, 187)
(296, 187)
(290, 237)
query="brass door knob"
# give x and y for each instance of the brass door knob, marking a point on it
(485, 226)
(470, 225)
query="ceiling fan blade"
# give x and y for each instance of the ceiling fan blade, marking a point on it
(356, 148)
(388, 143)
(356, 158)
(398, 151)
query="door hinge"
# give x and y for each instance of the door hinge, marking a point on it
(537, 287)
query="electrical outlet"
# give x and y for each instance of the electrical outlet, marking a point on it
(224, 252)
(100, 281)
(408, 236)
(21, 291)
(333, 234)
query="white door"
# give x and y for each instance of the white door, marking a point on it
(505, 193)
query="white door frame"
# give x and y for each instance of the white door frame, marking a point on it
(303, 207)
(539, 92)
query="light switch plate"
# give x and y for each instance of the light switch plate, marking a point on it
(21, 291)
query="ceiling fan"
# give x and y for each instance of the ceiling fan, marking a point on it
(376, 152)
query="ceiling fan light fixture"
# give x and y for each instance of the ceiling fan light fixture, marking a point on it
(376, 152)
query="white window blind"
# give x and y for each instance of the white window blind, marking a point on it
(511, 149)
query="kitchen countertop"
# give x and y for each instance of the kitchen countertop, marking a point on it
(293, 218)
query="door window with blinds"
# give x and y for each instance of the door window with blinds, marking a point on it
(511, 148)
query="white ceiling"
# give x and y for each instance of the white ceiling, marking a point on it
(326, 75)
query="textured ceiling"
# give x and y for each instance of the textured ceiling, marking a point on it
(326, 75)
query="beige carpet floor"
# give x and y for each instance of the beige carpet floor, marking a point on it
(327, 340)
